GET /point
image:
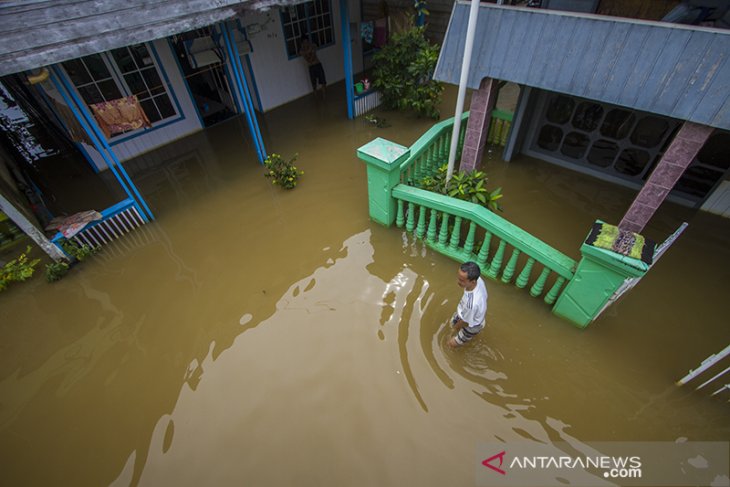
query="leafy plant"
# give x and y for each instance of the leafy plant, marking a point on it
(282, 172)
(56, 270)
(78, 252)
(18, 269)
(404, 73)
(467, 186)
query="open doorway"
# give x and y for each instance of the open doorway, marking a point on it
(202, 61)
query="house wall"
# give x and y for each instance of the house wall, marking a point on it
(280, 79)
(276, 79)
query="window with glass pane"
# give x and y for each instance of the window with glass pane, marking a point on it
(141, 77)
(92, 78)
(313, 19)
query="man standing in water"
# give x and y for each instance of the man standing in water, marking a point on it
(316, 72)
(472, 310)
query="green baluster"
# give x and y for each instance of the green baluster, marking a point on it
(431, 233)
(555, 290)
(490, 133)
(539, 285)
(417, 171)
(509, 271)
(455, 234)
(399, 219)
(410, 223)
(443, 234)
(505, 132)
(469, 244)
(497, 261)
(525, 274)
(484, 251)
(421, 228)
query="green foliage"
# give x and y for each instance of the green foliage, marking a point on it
(56, 270)
(379, 122)
(18, 269)
(281, 172)
(78, 252)
(404, 73)
(467, 186)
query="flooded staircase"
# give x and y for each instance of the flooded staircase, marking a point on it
(459, 229)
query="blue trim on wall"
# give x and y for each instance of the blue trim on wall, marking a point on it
(185, 82)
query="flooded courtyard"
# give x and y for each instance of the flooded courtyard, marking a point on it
(256, 336)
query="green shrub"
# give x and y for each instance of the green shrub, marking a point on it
(284, 173)
(56, 270)
(78, 252)
(467, 186)
(404, 73)
(18, 269)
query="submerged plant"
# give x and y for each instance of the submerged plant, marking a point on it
(18, 269)
(56, 270)
(282, 172)
(467, 186)
(78, 252)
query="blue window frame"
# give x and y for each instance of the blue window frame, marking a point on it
(313, 19)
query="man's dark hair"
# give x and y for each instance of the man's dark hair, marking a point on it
(471, 269)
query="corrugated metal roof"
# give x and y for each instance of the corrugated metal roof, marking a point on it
(35, 33)
(674, 70)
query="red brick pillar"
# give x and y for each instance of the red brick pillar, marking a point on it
(681, 152)
(480, 113)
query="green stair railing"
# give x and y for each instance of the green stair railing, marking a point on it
(431, 151)
(467, 231)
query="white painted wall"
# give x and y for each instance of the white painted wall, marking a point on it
(280, 79)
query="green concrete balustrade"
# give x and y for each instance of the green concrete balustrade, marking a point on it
(471, 232)
(466, 231)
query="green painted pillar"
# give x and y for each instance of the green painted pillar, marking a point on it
(599, 275)
(383, 159)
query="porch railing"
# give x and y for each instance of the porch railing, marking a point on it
(442, 221)
(115, 221)
(431, 150)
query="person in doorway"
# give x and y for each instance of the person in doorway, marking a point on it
(472, 309)
(308, 51)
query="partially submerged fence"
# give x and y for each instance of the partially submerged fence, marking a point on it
(115, 221)
(488, 240)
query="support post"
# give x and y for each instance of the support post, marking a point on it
(599, 275)
(471, 28)
(242, 86)
(477, 129)
(347, 53)
(383, 159)
(680, 154)
(31, 230)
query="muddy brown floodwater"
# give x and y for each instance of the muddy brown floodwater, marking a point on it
(255, 336)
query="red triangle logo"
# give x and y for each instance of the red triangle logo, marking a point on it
(487, 462)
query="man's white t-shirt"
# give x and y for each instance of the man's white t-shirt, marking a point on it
(473, 305)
